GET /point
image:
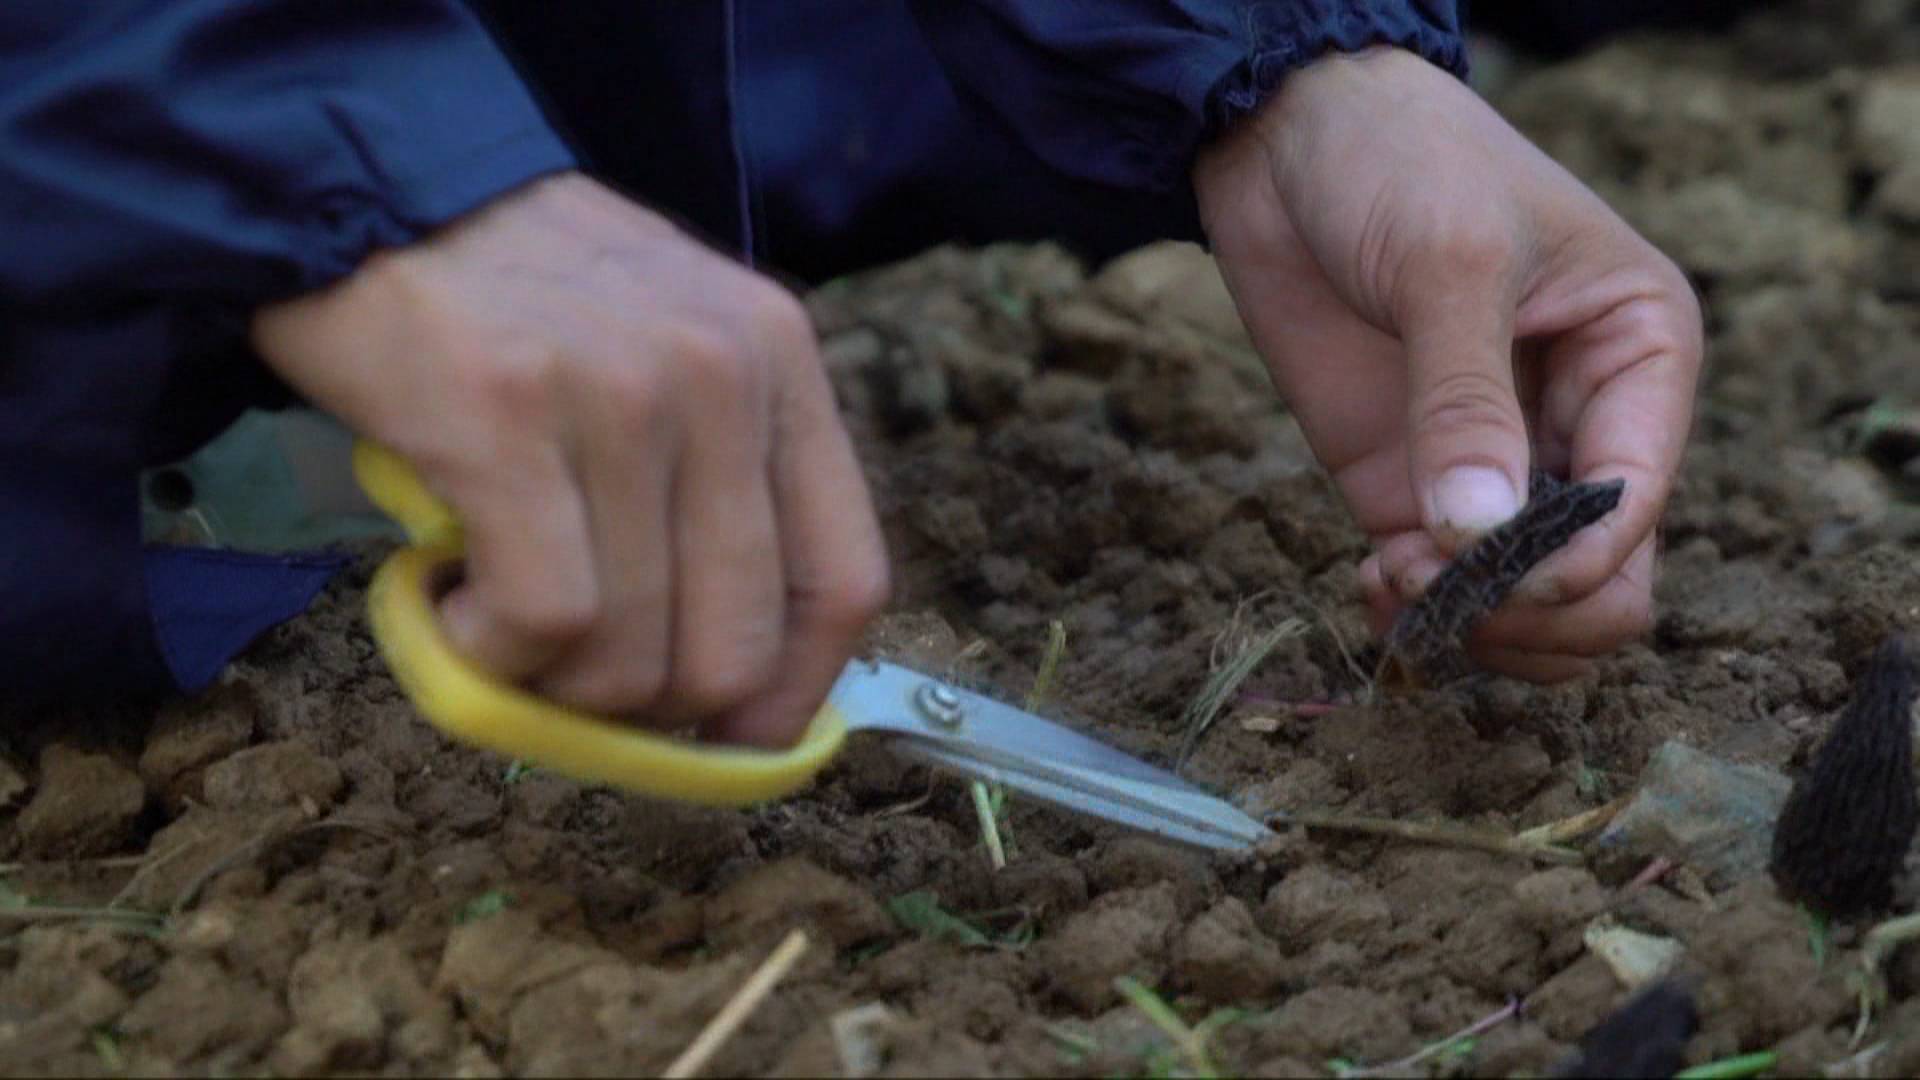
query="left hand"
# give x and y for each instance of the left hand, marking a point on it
(1442, 305)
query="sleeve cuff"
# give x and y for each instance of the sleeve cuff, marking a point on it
(1282, 38)
(349, 225)
(1123, 93)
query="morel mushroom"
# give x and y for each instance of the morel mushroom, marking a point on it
(1426, 645)
(1645, 1037)
(1845, 829)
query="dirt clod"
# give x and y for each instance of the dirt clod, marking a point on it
(190, 735)
(762, 906)
(1224, 957)
(272, 776)
(1122, 933)
(86, 804)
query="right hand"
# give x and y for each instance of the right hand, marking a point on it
(665, 519)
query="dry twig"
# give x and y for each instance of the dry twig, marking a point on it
(252, 849)
(1442, 834)
(1575, 827)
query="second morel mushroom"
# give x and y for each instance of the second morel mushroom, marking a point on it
(1845, 830)
(1645, 1037)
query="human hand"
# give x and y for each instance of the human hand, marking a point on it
(664, 517)
(1441, 304)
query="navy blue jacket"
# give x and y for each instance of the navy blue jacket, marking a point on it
(166, 166)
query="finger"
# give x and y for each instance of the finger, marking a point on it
(1621, 396)
(1409, 562)
(529, 590)
(1467, 438)
(728, 607)
(630, 444)
(1383, 604)
(1614, 615)
(834, 557)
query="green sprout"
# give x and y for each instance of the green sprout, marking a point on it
(920, 912)
(1732, 1068)
(485, 906)
(1189, 1041)
(990, 800)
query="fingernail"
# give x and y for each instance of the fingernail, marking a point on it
(1474, 498)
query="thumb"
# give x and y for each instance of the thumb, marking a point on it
(1467, 436)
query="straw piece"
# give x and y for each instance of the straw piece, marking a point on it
(737, 1009)
(1446, 835)
(1577, 826)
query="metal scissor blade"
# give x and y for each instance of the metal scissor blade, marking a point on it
(981, 737)
(1200, 820)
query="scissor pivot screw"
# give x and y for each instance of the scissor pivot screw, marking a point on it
(940, 704)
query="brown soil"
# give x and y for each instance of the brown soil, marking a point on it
(349, 892)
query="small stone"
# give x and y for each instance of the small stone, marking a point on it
(1708, 813)
(86, 805)
(273, 775)
(1635, 958)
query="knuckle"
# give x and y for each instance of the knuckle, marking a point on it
(1668, 324)
(780, 317)
(852, 599)
(554, 616)
(1473, 250)
(712, 682)
(614, 687)
(518, 382)
(634, 389)
(714, 360)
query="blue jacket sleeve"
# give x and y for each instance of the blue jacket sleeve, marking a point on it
(165, 167)
(230, 152)
(1124, 92)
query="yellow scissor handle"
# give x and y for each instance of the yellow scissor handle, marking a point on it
(472, 706)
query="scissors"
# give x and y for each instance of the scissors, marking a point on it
(923, 718)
